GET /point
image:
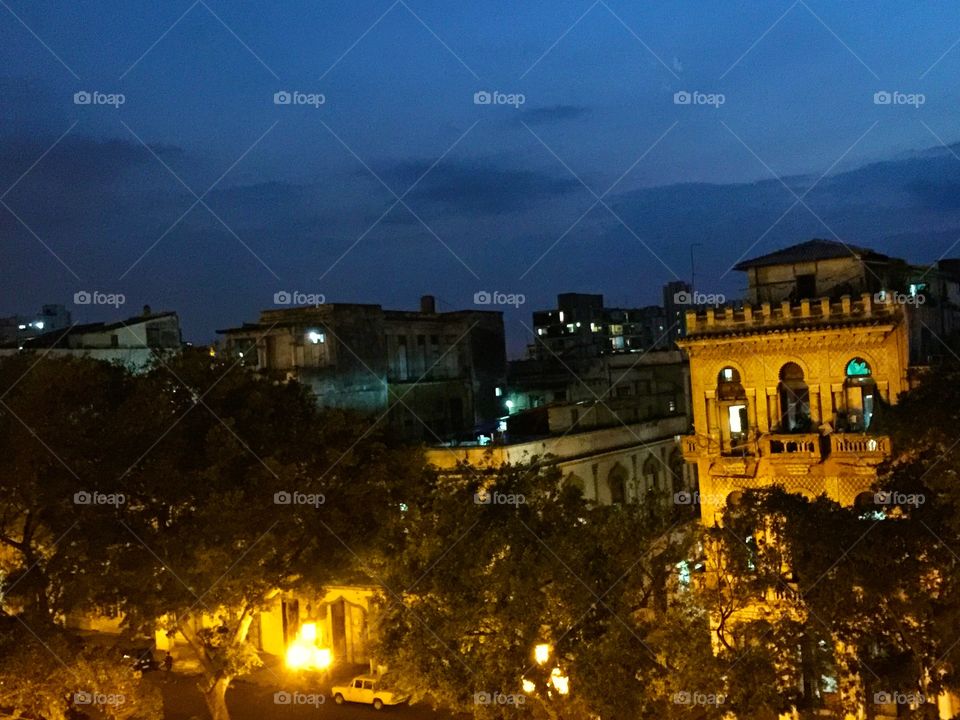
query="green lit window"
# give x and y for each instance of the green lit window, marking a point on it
(858, 367)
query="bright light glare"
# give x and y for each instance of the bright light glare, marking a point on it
(541, 653)
(559, 681)
(528, 686)
(303, 653)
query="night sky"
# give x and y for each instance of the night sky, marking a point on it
(200, 194)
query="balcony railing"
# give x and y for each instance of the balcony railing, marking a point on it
(798, 447)
(872, 447)
(791, 446)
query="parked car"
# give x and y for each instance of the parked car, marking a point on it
(368, 689)
(140, 658)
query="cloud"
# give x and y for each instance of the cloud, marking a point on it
(553, 114)
(480, 187)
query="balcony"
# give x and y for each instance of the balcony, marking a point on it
(795, 447)
(791, 447)
(861, 446)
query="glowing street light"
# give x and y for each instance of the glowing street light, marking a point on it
(541, 653)
(303, 653)
(559, 681)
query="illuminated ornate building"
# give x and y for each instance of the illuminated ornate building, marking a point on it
(786, 394)
(786, 386)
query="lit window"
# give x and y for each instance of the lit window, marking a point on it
(498, 392)
(316, 337)
(595, 328)
(616, 329)
(734, 413)
(858, 367)
(541, 331)
(561, 316)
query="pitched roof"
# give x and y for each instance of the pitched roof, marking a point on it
(809, 251)
(58, 338)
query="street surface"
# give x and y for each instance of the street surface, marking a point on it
(255, 701)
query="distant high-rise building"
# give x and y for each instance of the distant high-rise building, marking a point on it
(581, 326)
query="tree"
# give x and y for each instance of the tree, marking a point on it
(240, 489)
(498, 563)
(51, 676)
(205, 492)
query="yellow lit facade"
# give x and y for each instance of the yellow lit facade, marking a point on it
(786, 394)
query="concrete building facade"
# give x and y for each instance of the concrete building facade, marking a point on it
(434, 374)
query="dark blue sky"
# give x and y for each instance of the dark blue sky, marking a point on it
(291, 195)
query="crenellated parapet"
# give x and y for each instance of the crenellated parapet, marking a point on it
(747, 318)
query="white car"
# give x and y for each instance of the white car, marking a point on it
(368, 689)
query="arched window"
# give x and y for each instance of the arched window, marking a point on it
(732, 399)
(617, 484)
(651, 474)
(675, 465)
(794, 399)
(860, 395)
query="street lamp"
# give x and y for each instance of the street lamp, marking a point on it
(541, 653)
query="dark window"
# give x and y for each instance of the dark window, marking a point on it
(806, 286)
